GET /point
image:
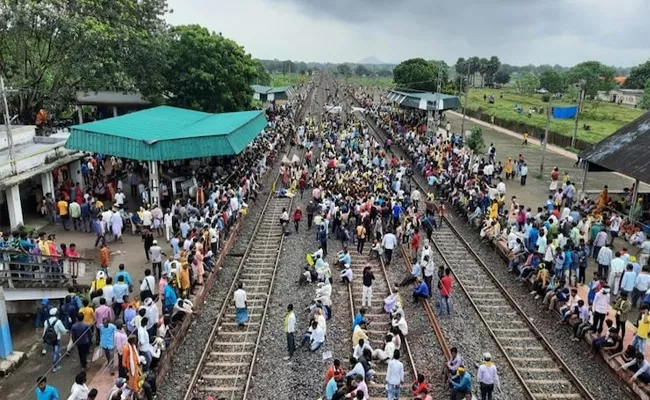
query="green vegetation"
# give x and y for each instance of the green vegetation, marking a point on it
(604, 118)
(287, 79)
(377, 81)
(475, 141)
(49, 49)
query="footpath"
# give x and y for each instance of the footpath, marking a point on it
(535, 192)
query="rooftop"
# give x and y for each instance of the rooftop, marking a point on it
(106, 97)
(168, 133)
(625, 151)
(424, 100)
(269, 89)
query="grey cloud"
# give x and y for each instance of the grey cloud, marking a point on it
(487, 24)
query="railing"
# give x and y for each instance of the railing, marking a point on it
(20, 269)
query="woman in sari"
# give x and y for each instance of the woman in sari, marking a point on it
(130, 363)
(555, 177)
(601, 202)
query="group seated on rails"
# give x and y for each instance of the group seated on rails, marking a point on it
(549, 248)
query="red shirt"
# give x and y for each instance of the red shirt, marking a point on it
(445, 282)
(415, 241)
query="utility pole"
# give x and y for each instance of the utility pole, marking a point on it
(7, 118)
(546, 129)
(575, 127)
(437, 110)
(462, 124)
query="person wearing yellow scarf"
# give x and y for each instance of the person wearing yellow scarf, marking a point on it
(488, 377)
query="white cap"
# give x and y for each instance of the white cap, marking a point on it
(155, 242)
(487, 356)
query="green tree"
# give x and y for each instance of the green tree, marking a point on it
(492, 67)
(526, 82)
(208, 72)
(475, 141)
(362, 70)
(638, 77)
(552, 81)
(595, 75)
(419, 74)
(49, 49)
(344, 69)
(262, 77)
(502, 76)
(645, 99)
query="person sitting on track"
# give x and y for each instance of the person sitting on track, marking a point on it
(420, 291)
(347, 274)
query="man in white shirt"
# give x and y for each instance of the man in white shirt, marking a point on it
(156, 255)
(119, 198)
(241, 309)
(501, 187)
(290, 330)
(168, 221)
(389, 242)
(488, 377)
(394, 376)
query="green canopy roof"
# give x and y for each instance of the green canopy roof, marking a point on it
(424, 101)
(168, 133)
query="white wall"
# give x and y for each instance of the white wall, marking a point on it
(20, 134)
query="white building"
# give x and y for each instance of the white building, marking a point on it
(630, 97)
(30, 169)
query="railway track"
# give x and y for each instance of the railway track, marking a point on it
(226, 367)
(379, 323)
(539, 368)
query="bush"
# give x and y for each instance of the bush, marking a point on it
(475, 141)
(546, 98)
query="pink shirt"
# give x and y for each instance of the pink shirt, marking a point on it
(120, 340)
(102, 312)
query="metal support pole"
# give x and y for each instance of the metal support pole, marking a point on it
(583, 185)
(462, 124)
(635, 194)
(7, 118)
(6, 346)
(575, 127)
(546, 129)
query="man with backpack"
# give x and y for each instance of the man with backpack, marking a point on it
(53, 329)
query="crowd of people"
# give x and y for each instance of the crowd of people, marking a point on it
(549, 244)
(131, 323)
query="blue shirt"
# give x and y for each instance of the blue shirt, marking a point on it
(357, 320)
(330, 389)
(464, 383)
(106, 336)
(628, 281)
(417, 270)
(126, 275)
(50, 393)
(422, 289)
(170, 296)
(119, 291)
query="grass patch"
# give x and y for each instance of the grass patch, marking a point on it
(604, 118)
(287, 79)
(376, 81)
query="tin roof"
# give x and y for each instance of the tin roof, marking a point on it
(168, 133)
(625, 151)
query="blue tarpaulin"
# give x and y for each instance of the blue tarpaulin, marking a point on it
(565, 112)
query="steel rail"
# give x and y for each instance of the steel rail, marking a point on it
(189, 395)
(431, 316)
(548, 347)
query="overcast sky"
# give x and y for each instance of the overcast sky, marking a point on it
(519, 32)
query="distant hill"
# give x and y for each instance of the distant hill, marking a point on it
(371, 60)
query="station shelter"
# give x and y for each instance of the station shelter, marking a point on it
(626, 152)
(167, 133)
(428, 102)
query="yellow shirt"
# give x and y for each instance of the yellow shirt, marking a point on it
(44, 247)
(644, 327)
(89, 315)
(359, 334)
(361, 232)
(62, 205)
(494, 210)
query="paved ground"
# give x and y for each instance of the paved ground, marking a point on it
(20, 384)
